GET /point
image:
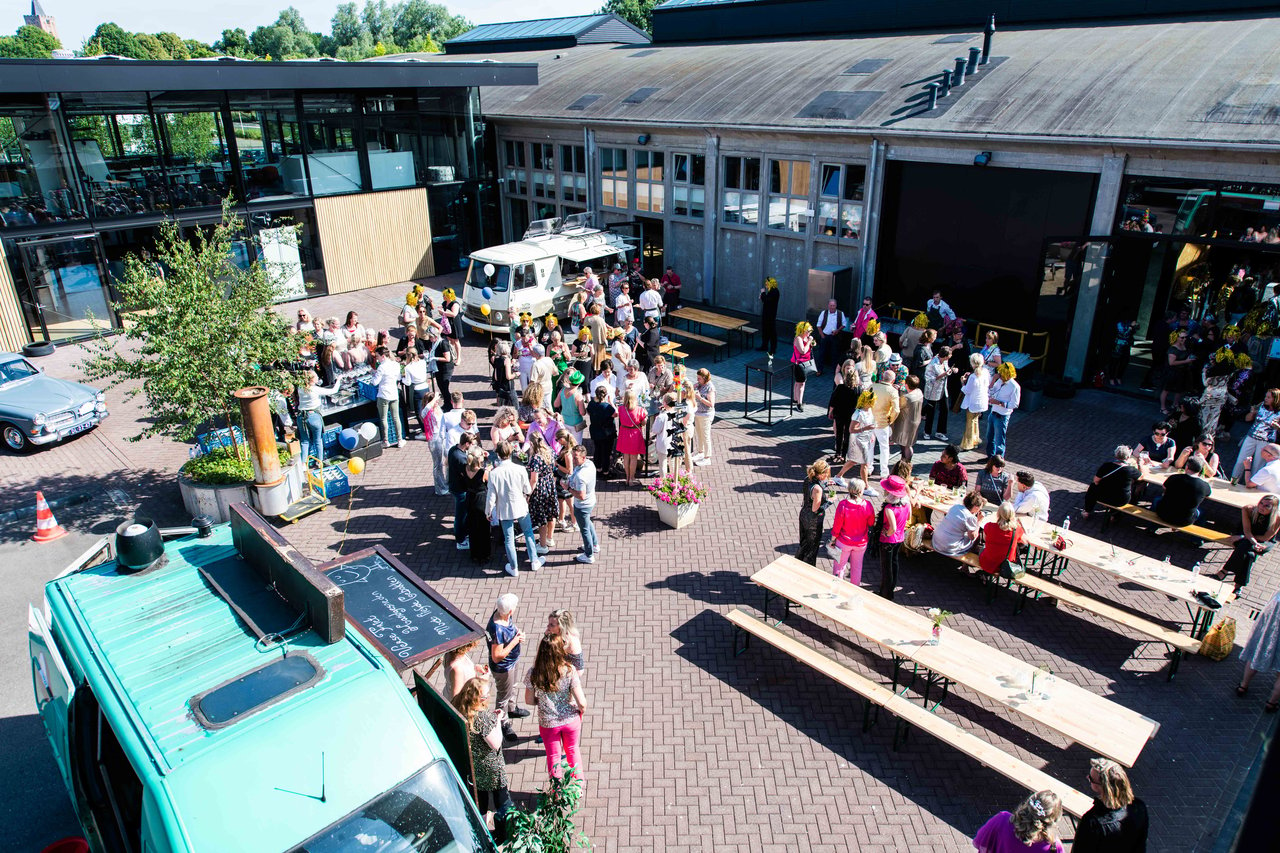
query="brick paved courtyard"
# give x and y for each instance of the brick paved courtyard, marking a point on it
(688, 748)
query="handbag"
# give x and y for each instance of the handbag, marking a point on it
(1217, 644)
(809, 368)
(1011, 569)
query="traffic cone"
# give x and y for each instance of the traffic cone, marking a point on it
(47, 527)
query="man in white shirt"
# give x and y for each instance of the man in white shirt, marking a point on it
(388, 379)
(1267, 477)
(582, 485)
(506, 502)
(650, 302)
(938, 311)
(830, 324)
(1030, 498)
(543, 372)
(451, 421)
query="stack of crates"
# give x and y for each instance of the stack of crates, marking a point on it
(217, 438)
(329, 438)
(368, 388)
(331, 481)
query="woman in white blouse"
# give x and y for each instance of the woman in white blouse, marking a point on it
(977, 384)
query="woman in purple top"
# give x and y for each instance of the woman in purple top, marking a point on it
(894, 516)
(1032, 826)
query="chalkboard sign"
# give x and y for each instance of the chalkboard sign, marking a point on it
(405, 618)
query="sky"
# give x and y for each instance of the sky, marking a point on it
(77, 19)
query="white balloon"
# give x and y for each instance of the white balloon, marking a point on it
(368, 431)
(490, 269)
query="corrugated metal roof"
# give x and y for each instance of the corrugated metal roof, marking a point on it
(1160, 80)
(585, 29)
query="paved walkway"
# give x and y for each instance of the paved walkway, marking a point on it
(688, 748)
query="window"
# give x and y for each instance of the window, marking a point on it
(517, 177)
(650, 187)
(269, 137)
(573, 173)
(613, 177)
(741, 197)
(789, 195)
(840, 201)
(393, 143)
(1167, 206)
(36, 182)
(544, 172)
(688, 177)
(255, 690)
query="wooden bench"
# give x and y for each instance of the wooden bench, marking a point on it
(714, 343)
(748, 335)
(1205, 534)
(909, 714)
(1029, 583)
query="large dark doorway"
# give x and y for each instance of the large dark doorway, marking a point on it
(978, 234)
(651, 246)
(67, 293)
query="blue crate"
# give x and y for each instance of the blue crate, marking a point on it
(368, 389)
(336, 483)
(329, 438)
(214, 439)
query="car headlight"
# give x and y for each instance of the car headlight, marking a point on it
(498, 317)
(100, 398)
(38, 419)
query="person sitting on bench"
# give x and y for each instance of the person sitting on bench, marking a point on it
(1179, 506)
(957, 532)
(1113, 481)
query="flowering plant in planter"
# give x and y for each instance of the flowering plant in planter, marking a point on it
(677, 490)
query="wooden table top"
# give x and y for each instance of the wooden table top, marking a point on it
(1225, 492)
(1130, 566)
(1082, 717)
(698, 315)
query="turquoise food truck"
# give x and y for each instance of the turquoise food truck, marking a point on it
(207, 694)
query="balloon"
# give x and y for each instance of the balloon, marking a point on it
(490, 269)
(485, 309)
(487, 293)
(368, 430)
(355, 465)
(348, 438)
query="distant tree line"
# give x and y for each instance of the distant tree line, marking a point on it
(380, 28)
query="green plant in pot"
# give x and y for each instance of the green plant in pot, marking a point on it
(199, 325)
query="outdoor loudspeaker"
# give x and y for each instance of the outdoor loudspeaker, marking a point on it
(138, 545)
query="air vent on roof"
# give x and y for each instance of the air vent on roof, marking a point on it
(584, 102)
(867, 66)
(957, 39)
(839, 105)
(639, 95)
(641, 53)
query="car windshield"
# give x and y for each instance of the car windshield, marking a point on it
(12, 371)
(427, 814)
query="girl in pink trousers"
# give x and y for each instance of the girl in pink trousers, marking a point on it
(854, 517)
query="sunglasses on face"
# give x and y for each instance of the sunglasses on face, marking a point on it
(1159, 434)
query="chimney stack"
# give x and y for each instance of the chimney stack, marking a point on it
(957, 76)
(972, 67)
(944, 87)
(933, 95)
(986, 41)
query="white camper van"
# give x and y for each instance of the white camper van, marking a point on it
(539, 274)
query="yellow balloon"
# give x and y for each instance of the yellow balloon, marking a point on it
(485, 309)
(355, 465)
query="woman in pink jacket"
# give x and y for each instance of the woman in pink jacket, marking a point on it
(854, 517)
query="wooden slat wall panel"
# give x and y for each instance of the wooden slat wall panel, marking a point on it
(13, 329)
(374, 238)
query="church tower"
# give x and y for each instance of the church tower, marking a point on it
(40, 20)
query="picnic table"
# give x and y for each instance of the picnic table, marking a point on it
(1080, 716)
(1236, 495)
(1122, 564)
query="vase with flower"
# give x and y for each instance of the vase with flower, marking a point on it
(938, 615)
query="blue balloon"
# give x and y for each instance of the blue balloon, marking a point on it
(487, 293)
(348, 438)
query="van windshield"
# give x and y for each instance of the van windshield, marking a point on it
(502, 277)
(427, 814)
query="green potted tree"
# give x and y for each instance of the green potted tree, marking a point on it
(198, 326)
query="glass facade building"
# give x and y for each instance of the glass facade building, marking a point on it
(88, 173)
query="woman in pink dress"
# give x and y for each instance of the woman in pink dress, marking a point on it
(854, 517)
(801, 352)
(630, 434)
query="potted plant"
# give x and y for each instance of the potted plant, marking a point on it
(200, 326)
(677, 498)
(548, 827)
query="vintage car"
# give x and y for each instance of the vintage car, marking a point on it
(38, 409)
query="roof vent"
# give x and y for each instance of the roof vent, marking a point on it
(138, 546)
(839, 105)
(639, 95)
(866, 66)
(584, 102)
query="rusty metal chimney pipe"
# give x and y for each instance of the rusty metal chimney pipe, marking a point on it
(255, 412)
